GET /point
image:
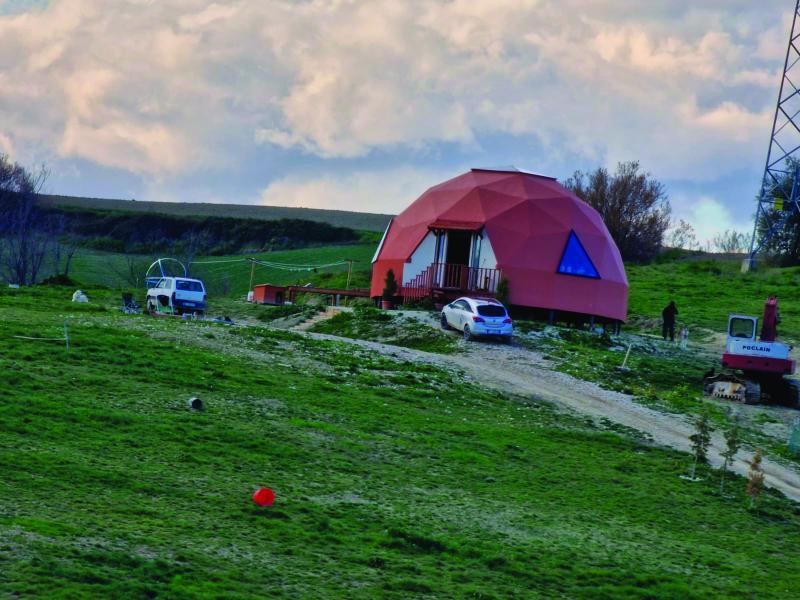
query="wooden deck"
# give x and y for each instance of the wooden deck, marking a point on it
(443, 280)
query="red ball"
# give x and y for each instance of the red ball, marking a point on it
(264, 497)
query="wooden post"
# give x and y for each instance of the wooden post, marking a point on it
(66, 334)
(252, 274)
(627, 355)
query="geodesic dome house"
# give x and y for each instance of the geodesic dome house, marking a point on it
(462, 237)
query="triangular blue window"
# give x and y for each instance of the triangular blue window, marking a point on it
(575, 261)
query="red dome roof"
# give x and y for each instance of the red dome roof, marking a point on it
(528, 220)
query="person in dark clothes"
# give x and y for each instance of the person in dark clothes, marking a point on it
(668, 316)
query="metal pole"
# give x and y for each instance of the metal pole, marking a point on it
(252, 274)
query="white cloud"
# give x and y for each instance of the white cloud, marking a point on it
(382, 191)
(207, 16)
(709, 217)
(162, 88)
(126, 145)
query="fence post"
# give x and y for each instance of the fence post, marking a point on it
(66, 334)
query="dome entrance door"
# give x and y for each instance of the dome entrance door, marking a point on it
(459, 250)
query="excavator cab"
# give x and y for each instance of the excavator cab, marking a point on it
(742, 327)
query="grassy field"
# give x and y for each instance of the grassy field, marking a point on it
(393, 479)
(353, 220)
(230, 275)
(707, 291)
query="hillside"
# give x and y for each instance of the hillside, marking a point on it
(393, 478)
(352, 220)
(708, 290)
(230, 275)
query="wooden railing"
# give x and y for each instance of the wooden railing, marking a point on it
(450, 277)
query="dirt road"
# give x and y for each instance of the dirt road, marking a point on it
(525, 373)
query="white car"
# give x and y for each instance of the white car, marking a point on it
(478, 318)
(177, 295)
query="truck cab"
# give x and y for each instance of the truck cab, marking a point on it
(177, 295)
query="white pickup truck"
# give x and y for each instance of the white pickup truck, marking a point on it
(177, 295)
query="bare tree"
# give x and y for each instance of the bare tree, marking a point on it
(131, 270)
(730, 241)
(682, 236)
(65, 247)
(69, 248)
(193, 243)
(633, 205)
(27, 235)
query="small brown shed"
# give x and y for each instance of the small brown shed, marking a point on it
(266, 293)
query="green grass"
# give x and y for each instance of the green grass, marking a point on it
(393, 479)
(353, 220)
(707, 291)
(226, 278)
(366, 323)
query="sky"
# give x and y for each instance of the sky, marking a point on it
(362, 105)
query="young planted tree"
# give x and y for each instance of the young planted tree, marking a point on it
(755, 479)
(503, 292)
(390, 286)
(700, 442)
(733, 443)
(633, 205)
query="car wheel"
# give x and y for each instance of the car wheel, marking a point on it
(150, 307)
(467, 333)
(445, 324)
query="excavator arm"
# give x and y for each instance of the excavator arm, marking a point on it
(769, 325)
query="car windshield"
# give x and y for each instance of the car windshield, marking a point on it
(186, 285)
(491, 310)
